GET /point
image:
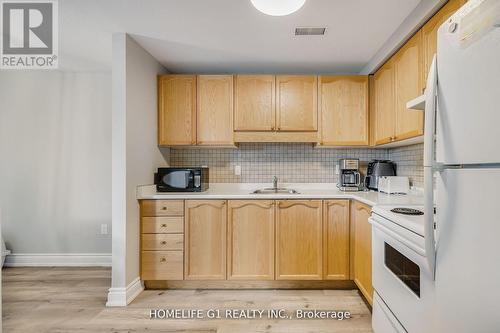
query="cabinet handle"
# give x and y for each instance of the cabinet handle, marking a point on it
(279, 128)
(272, 128)
(163, 259)
(164, 208)
(163, 243)
(164, 225)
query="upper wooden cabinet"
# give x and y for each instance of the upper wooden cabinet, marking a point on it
(398, 81)
(176, 110)
(344, 110)
(255, 103)
(383, 91)
(336, 240)
(205, 240)
(299, 240)
(250, 240)
(361, 249)
(429, 33)
(408, 85)
(297, 103)
(215, 110)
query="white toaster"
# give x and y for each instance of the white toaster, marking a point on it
(394, 185)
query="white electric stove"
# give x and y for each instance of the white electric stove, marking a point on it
(401, 276)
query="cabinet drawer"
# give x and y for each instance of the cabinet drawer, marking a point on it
(163, 225)
(162, 265)
(162, 242)
(162, 208)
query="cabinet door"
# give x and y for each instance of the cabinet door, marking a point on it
(299, 240)
(215, 110)
(250, 240)
(297, 103)
(205, 240)
(361, 248)
(336, 240)
(176, 110)
(344, 110)
(429, 33)
(408, 85)
(383, 81)
(255, 105)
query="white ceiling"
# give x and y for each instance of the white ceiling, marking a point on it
(230, 35)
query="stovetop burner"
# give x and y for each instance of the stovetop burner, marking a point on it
(407, 211)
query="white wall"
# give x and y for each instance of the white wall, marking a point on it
(55, 161)
(135, 157)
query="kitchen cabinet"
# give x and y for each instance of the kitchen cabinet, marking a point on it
(255, 103)
(215, 110)
(398, 81)
(161, 265)
(336, 240)
(429, 33)
(176, 110)
(344, 110)
(361, 249)
(162, 239)
(383, 81)
(250, 240)
(407, 86)
(297, 103)
(205, 240)
(299, 240)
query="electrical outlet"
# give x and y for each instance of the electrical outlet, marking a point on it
(237, 170)
(336, 169)
(104, 229)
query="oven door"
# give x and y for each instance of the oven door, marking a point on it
(400, 274)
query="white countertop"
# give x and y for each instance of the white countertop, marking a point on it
(306, 191)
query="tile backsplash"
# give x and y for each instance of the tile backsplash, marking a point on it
(410, 162)
(292, 163)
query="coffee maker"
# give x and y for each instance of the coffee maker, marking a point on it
(349, 176)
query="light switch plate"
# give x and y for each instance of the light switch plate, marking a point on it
(104, 229)
(237, 170)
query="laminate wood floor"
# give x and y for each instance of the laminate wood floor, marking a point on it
(57, 300)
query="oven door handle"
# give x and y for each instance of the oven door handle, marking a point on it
(396, 237)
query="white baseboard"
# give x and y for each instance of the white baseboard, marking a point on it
(58, 259)
(123, 296)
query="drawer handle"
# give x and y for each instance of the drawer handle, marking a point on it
(164, 225)
(163, 242)
(164, 208)
(163, 259)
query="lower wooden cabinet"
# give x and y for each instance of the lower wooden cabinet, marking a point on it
(336, 240)
(361, 249)
(205, 240)
(161, 265)
(256, 240)
(299, 240)
(250, 240)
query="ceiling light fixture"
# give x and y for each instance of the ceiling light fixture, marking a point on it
(278, 7)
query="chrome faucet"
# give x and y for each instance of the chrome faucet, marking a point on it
(275, 183)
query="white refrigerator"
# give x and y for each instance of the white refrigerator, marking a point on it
(462, 170)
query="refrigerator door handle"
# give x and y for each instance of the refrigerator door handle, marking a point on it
(430, 115)
(429, 163)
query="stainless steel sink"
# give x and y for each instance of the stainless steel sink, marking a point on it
(271, 190)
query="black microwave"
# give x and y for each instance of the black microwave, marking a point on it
(181, 179)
